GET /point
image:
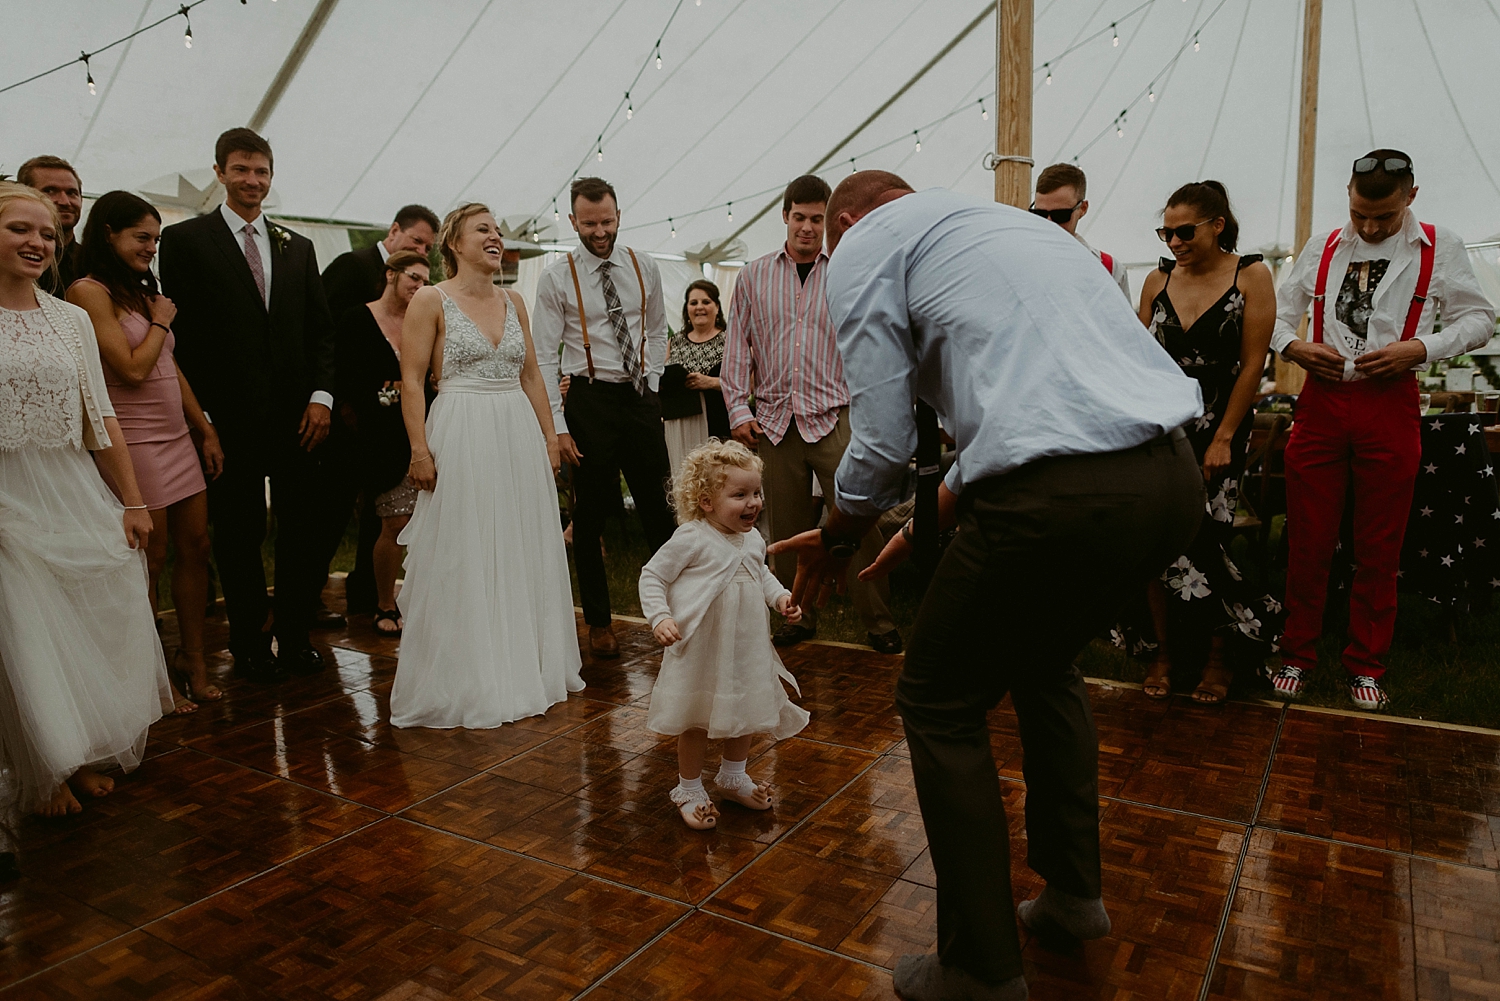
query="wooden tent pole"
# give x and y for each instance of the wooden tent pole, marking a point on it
(1289, 378)
(1013, 44)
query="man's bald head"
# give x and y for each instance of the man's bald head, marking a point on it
(857, 195)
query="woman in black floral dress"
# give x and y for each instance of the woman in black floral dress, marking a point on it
(1213, 312)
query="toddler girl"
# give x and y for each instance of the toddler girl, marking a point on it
(705, 594)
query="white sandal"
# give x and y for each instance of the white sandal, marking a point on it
(744, 790)
(698, 811)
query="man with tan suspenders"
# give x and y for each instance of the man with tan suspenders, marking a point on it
(603, 305)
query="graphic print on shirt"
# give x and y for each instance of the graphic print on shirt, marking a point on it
(1355, 301)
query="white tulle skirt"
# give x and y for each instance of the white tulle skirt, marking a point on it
(490, 635)
(726, 677)
(83, 674)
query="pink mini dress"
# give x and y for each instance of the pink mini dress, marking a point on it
(156, 432)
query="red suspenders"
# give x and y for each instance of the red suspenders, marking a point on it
(1418, 299)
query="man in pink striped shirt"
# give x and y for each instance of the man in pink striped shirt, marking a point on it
(781, 345)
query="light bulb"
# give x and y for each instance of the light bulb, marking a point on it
(658, 56)
(1116, 41)
(1151, 96)
(1120, 131)
(730, 210)
(91, 84)
(983, 111)
(629, 112)
(556, 215)
(601, 154)
(852, 167)
(1049, 74)
(1195, 41)
(187, 39)
(919, 141)
(674, 228)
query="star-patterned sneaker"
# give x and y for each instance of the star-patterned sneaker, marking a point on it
(1366, 692)
(1288, 682)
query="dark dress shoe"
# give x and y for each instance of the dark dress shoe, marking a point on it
(790, 635)
(301, 661)
(260, 668)
(602, 642)
(327, 618)
(886, 642)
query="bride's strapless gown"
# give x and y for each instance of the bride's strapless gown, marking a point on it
(490, 635)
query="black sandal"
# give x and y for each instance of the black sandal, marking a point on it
(391, 615)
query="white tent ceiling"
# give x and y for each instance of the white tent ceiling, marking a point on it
(502, 100)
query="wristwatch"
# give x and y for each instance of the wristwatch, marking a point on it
(839, 549)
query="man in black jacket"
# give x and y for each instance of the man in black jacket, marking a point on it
(354, 279)
(255, 338)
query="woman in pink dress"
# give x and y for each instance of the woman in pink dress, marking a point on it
(155, 407)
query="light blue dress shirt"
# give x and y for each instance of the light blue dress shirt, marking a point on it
(1006, 325)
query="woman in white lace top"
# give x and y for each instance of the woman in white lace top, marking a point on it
(83, 666)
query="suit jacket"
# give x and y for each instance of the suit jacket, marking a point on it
(354, 279)
(253, 369)
(367, 365)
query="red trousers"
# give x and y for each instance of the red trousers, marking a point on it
(1368, 433)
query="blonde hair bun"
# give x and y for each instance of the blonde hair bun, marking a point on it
(703, 473)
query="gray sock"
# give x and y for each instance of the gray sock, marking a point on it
(924, 978)
(1055, 911)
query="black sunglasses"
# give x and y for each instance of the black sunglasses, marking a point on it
(1059, 216)
(1183, 233)
(1391, 165)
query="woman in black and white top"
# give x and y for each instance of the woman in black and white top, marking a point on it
(692, 405)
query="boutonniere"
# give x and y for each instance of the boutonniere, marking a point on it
(279, 237)
(389, 395)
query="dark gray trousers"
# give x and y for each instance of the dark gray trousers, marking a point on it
(1045, 555)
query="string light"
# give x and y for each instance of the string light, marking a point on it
(983, 111)
(187, 36)
(658, 55)
(729, 209)
(88, 72)
(1195, 41)
(1116, 41)
(601, 152)
(674, 227)
(556, 215)
(629, 108)
(852, 167)
(1120, 124)
(919, 139)
(1048, 68)
(1151, 94)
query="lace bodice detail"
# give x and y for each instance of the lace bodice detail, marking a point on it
(41, 404)
(468, 354)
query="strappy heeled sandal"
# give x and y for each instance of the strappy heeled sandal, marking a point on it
(391, 615)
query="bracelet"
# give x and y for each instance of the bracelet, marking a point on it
(136, 507)
(419, 458)
(163, 326)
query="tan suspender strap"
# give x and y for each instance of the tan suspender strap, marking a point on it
(583, 323)
(642, 280)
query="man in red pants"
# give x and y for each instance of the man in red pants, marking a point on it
(1375, 286)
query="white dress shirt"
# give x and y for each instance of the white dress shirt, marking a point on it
(1116, 269)
(1007, 326)
(262, 238)
(1468, 316)
(554, 321)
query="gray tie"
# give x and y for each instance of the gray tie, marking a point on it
(622, 332)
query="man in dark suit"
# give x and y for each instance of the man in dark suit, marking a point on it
(55, 177)
(354, 279)
(255, 338)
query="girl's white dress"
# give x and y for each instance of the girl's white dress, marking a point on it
(490, 635)
(82, 675)
(723, 676)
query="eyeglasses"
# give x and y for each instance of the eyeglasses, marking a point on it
(415, 277)
(1391, 165)
(1059, 216)
(1183, 233)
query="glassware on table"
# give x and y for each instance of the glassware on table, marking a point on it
(1424, 403)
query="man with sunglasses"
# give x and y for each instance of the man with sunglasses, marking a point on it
(1060, 191)
(1375, 286)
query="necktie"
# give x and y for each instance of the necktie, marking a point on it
(252, 258)
(622, 332)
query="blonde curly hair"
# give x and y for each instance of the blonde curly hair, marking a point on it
(703, 473)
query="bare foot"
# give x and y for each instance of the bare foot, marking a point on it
(748, 793)
(61, 804)
(196, 686)
(88, 782)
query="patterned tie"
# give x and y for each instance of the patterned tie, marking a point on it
(622, 332)
(252, 258)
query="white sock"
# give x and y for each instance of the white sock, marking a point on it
(690, 785)
(729, 769)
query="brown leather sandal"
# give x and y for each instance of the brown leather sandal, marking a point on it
(1213, 690)
(1158, 683)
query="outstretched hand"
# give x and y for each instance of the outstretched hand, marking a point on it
(819, 574)
(895, 553)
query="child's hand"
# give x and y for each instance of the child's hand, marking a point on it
(666, 632)
(787, 610)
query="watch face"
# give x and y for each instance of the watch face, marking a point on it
(842, 550)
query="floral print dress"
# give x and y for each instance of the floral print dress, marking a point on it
(1206, 592)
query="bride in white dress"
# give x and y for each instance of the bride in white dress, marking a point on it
(81, 670)
(489, 635)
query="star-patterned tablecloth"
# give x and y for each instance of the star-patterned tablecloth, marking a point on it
(1452, 551)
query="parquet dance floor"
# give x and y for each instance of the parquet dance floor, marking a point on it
(288, 843)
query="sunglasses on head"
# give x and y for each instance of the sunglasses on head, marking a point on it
(1059, 216)
(1391, 165)
(1183, 233)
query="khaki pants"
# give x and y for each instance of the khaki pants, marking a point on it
(790, 466)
